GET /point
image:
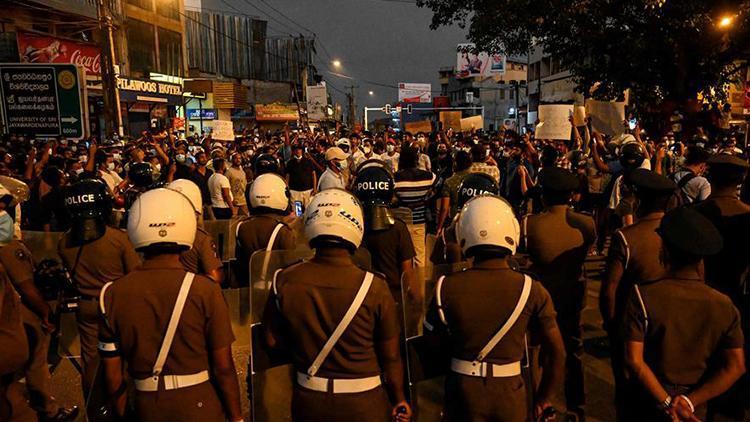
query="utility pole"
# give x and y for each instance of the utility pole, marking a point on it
(352, 106)
(112, 118)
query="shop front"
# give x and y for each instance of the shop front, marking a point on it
(147, 104)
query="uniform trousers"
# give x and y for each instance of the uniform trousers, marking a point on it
(38, 379)
(87, 318)
(315, 406)
(199, 403)
(478, 399)
(572, 334)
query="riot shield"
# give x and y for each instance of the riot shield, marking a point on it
(223, 235)
(270, 372)
(425, 365)
(43, 245)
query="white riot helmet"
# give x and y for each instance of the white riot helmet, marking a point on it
(270, 191)
(487, 220)
(334, 214)
(191, 191)
(162, 216)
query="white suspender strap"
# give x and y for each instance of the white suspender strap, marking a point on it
(276, 290)
(627, 247)
(511, 320)
(439, 299)
(269, 248)
(174, 320)
(237, 229)
(524, 223)
(101, 297)
(348, 316)
(643, 307)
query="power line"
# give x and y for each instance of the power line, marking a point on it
(241, 13)
(287, 17)
(265, 13)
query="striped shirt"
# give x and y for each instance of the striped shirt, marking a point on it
(412, 188)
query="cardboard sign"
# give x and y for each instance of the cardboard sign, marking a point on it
(420, 126)
(606, 117)
(553, 121)
(473, 122)
(450, 120)
(222, 130)
(579, 115)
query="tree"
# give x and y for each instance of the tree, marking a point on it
(663, 50)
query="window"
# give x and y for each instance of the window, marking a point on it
(141, 47)
(168, 8)
(143, 4)
(170, 52)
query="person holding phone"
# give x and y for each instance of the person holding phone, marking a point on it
(301, 176)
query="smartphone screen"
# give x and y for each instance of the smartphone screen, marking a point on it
(632, 123)
(298, 208)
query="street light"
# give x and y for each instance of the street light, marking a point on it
(371, 93)
(336, 63)
(726, 22)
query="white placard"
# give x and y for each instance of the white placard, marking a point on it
(553, 121)
(222, 130)
(317, 101)
(606, 117)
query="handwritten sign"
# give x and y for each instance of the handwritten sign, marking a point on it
(553, 121)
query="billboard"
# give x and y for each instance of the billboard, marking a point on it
(414, 93)
(317, 101)
(470, 63)
(33, 48)
(276, 112)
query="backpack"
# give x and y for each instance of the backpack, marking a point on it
(681, 197)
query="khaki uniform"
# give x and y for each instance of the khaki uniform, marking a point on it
(476, 302)
(558, 241)
(688, 324)
(389, 248)
(137, 309)
(19, 264)
(446, 249)
(201, 258)
(253, 235)
(105, 259)
(312, 299)
(14, 348)
(725, 273)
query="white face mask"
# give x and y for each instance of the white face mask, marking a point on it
(158, 167)
(110, 166)
(6, 228)
(390, 148)
(367, 150)
(180, 158)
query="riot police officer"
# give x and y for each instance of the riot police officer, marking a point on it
(141, 177)
(170, 327)
(386, 237)
(201, 258)
(446, 249)
(265, 163)
(339, 322)
(94, 254)
(557, 241)
(265, 229)
(485, 381)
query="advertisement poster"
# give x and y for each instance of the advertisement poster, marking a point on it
(276, 112)
(470, 63)
(317, 101)
(35, 48)
(553, 122)
(414, 93)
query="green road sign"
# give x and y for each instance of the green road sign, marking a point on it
(41, 99)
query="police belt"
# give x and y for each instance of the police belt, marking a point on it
(484, 369)
(171, 382)
(337, 386)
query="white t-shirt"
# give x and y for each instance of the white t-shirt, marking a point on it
(392, 161)
(329, 180)
(216, 183)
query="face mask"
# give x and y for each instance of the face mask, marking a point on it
(158, 167)
(390, 148)
(64, 142)
(110, 166)
(83, 158)
(180, 158)
(340, 165)
(79, 171)
(117, 156)
(6, 228)
(366, 150)
(298, 157)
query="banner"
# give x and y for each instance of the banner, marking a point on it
(276, 112)
(470, 63)
(414, 93)
(473, 122)
(420, 126)
(450, 120)
(606, 117)
(317, 101)
(553, 122)
(222, 130)
(33, 48)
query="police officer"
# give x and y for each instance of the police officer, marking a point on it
(265, 229)
(386, 237)
(339, 322)
(485, 381)
(14, 349)
(634, 257)
(265, 163)
(94, 254)
(141, 177)
(36, 314)
(170, 327)
(683, 339)
(727, 271)
(557, 241)
(446, 249)
(201, 258)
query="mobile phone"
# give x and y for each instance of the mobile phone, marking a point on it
(298, 208)
(632, 123)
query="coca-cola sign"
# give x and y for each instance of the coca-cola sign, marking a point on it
(34, 48)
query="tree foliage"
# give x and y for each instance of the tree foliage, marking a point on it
(660, 49)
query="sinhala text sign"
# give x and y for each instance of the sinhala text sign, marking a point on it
(41, 99)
